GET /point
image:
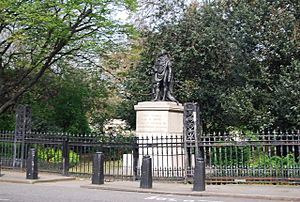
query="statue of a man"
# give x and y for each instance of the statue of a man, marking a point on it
(163, 82)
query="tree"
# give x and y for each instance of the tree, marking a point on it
(286, 93)
(75, 102)
(232, 57)
(40, 36)
(121, 66)
(153, 14)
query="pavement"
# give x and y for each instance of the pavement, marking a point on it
(247, 191)
(14, 176)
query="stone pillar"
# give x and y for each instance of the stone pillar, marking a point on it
(158, 124)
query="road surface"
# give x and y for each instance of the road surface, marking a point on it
(71, 192)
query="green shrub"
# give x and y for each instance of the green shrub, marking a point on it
(275, 162)
(53, 155)
(230, 156)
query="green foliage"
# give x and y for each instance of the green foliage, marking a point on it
(276, 162)
(7, 121)
(238, 59)
(70, 103)
(245, 157)
(230, 156)
(43, 36)
(287, 103)
(70, 106)
(126, 112)
(55, 156)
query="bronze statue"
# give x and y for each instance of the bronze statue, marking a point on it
(163, 80)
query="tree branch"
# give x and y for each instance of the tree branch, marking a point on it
(60, 44)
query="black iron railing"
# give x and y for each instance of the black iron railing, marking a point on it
(270, 155)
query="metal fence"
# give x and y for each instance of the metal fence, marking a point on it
(70, 154)
(269, 156)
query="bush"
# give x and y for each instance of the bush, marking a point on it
(230, 156)
(53, 155)
(276, 162)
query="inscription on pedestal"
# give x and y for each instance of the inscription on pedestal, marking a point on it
(152, 122)
(159, 118)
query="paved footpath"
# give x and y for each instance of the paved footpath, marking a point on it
(20, 177)
(258, 192)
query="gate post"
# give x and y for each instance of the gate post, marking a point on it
(32, 165)
(98, 168)
(66, 163)
(23, 126)
(191, 133)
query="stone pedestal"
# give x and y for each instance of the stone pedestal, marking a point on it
(159, 127)
(158, 118)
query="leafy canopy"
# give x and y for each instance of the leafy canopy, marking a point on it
(44, 35)
(238, 59)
